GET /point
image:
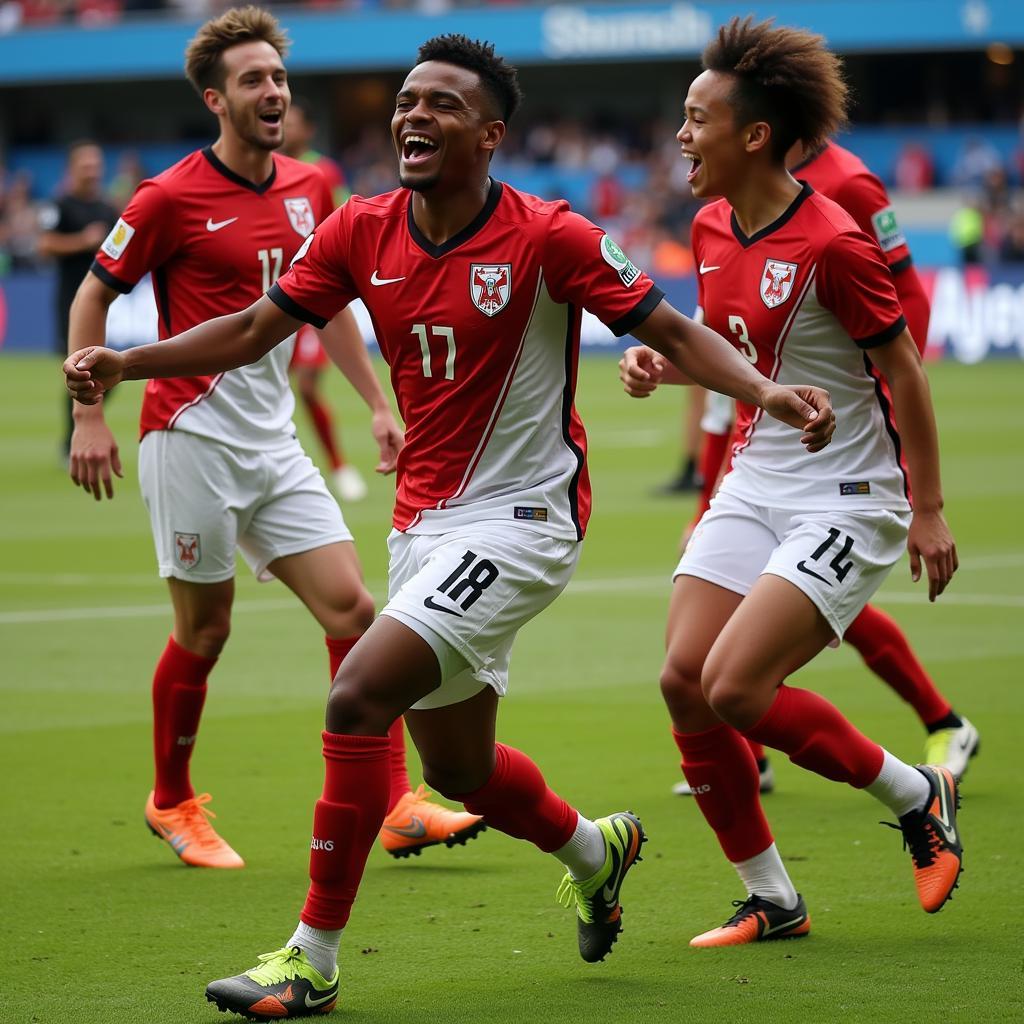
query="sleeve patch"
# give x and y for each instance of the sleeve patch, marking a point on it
(619, 261)
(118, 239)
(887, 229)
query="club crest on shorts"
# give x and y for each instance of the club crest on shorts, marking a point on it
(300, 214)
(777, 282)
(490, 286)
(187, 551)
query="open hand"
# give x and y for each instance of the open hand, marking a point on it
(930, 540)
(390, 440)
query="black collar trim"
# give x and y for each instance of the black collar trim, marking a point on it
(808, 160)
(472, 228)
(779, 222)
(221, 168)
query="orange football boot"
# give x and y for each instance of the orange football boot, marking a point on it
(187, 830)
(416, 823)
(757, 920)
(933, 839)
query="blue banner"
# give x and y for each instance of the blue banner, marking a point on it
(977, 313)
(356, 41)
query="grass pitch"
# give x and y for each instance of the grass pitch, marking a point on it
(102, 924)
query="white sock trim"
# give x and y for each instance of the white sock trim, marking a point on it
(899, 786)
(764, 875)
(320, 945)
(584, 854)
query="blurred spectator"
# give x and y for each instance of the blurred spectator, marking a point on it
(74, 227)
(129, 175)
(21, 223)
(915, 169)
(974, 163)
(967, 232)
(1011, 250)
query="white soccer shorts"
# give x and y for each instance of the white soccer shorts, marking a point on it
(838, 558)
(474, 587)
(205, 499)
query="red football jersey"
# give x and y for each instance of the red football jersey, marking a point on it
(843, 177)
(801, 300)
(482, 337)
(214, 243)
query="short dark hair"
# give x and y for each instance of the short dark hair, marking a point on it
(499, 79)
(784, 76)
(204, 67)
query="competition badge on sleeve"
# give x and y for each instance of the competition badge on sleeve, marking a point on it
(300, 214)
(490, 286)
(777, 282)
(618, 261)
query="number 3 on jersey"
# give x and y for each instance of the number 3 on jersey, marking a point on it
(739, 328)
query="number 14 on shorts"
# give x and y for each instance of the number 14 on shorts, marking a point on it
(839, 567)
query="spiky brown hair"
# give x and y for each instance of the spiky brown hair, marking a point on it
(786, 77)
(203, 65)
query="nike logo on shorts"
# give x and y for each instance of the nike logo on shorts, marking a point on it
(802, 566)
(429, 602)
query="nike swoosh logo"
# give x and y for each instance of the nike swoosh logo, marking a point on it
(802, 566)
(415, 831)
(310, 1003)
(707, 270)
(429, 602)
(378, 281)
(785, 924)
(943, 817)
(216, 226)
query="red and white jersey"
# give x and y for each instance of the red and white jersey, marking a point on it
(214, 243)
(802, 299)
(845, 179)
(482, 337)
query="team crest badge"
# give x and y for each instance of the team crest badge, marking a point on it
(490, 285)
(777, 282)
(187, 552)
(300, 213)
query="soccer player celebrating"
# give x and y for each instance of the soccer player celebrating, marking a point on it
(837, 173)
(309, 360)
(219, 463)
(792, 548)
(476, 292)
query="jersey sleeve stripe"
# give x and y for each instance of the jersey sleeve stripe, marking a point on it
(639, 313)
(284, 301)
(883, 337)
(900, 265)
(109, 280)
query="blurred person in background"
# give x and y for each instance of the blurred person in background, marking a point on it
(129, 175)
(309, 359)
(73, 227)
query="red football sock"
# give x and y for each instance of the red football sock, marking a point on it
(179, 691)
(323, 424)
(516, 800)
(757, 749)
(346, 821)
(400, 784)
(712, 462)
(816, 736)
(337, 651)
(887, 652)
(723, 775)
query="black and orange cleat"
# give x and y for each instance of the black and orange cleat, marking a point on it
(283, 984)
(416, 822)
(933, 839)
(757, 920)
(599, 915)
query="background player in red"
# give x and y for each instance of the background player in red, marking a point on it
(792, 550)
(841, 176)
(219, 464)
(309, 359)
(476, 292)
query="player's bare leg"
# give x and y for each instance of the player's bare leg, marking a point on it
(202, 621)
(721, 772)
(775, 630)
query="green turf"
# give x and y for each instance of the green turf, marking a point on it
(101, 923)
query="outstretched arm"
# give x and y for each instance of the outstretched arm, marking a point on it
(344, 344)
(930, 538)
(221, 344)
(701, 356)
